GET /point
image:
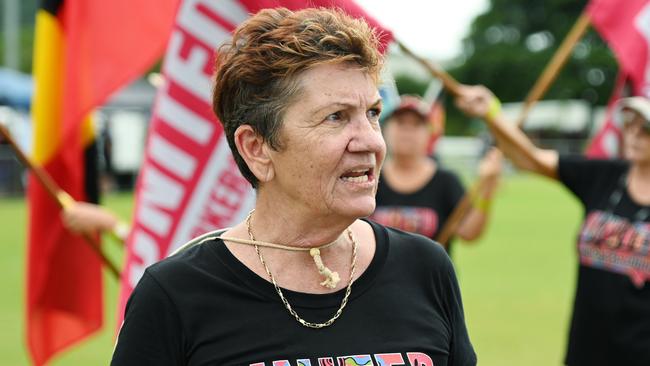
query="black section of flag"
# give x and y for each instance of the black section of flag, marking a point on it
(91, 172)
(51, 6)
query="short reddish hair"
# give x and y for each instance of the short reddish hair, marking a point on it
(257, 72)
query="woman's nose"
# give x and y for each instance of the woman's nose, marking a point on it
(634, 129)
(366, 137)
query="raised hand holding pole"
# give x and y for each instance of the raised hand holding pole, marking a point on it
(63, 199)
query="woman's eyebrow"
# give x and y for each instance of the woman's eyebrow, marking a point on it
(379, 102)
(345, 105)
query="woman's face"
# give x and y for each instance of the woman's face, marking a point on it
(407, 134)
(636, 139)
(332, 147)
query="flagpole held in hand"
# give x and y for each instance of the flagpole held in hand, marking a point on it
(448, 82)
(553, 68)
(63, 199)
(458, 214)
(454, 88)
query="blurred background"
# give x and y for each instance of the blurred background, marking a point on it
(517, 281)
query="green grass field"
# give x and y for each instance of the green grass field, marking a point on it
(517, 282)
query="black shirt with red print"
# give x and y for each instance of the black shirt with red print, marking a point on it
(203, 306)
(611, 315)
(424, 211)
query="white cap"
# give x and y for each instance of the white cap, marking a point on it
(640, 105)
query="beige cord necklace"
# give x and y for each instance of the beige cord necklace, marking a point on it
(332, 278)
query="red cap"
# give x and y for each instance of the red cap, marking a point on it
(413, 104)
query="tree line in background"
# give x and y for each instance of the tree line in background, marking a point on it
(506, 49)
(27, 20)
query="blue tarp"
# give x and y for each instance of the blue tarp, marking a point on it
(16, 89)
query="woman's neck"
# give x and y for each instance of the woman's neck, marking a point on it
(640, 171)
(276, 222)
(407, 163)
(639, 182)
(410, 178)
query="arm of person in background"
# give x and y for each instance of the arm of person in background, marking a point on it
(478, 101)
(476, 219)
(88, 218)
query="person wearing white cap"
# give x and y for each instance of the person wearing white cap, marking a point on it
(627, 109)
(611, 315)
(415, 194)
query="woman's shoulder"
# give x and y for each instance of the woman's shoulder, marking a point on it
(599, 165)
(419, 260)
(445, 176)
(194, 256)
(589, 178)
(411, 248)
(444, 170)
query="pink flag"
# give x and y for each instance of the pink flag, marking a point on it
(436, 119)
(189, 183)
(606, 144)
(625, 26)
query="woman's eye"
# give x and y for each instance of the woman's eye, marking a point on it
(373, 113)
(334, 117)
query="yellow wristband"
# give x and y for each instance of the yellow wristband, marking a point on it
(121, 231)
(483, 205)
(495, 108)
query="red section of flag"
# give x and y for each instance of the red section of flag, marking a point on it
(103, 44)
(64, 297)
(348, 6)
(625, 25)
(189, 183)
(606, 144)
(436, 119)
(108, 44)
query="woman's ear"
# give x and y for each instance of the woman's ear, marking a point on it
(255, 152)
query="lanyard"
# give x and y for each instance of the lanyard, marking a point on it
(615, 198)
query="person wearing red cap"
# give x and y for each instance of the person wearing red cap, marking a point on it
(611, 314)
(415, 194)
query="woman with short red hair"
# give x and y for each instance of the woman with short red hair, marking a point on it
(304, 279)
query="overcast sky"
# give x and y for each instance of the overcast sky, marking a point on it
(432, 28)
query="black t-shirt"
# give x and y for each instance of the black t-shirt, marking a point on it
(611, 315)
(424, 211)
(204, 307)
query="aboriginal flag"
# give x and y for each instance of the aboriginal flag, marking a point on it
(84, 51)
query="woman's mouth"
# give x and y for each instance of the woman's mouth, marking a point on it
(362, 175)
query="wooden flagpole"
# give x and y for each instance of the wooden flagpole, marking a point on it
(61, 197)
(458, 214)
(454, 88)
(553, 68)
(448, 82)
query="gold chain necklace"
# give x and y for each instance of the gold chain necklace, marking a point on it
(300, 320)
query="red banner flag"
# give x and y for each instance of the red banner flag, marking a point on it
(85, 50)
(625, 26)
(436, 119)
(606, 144)
(189, 183)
